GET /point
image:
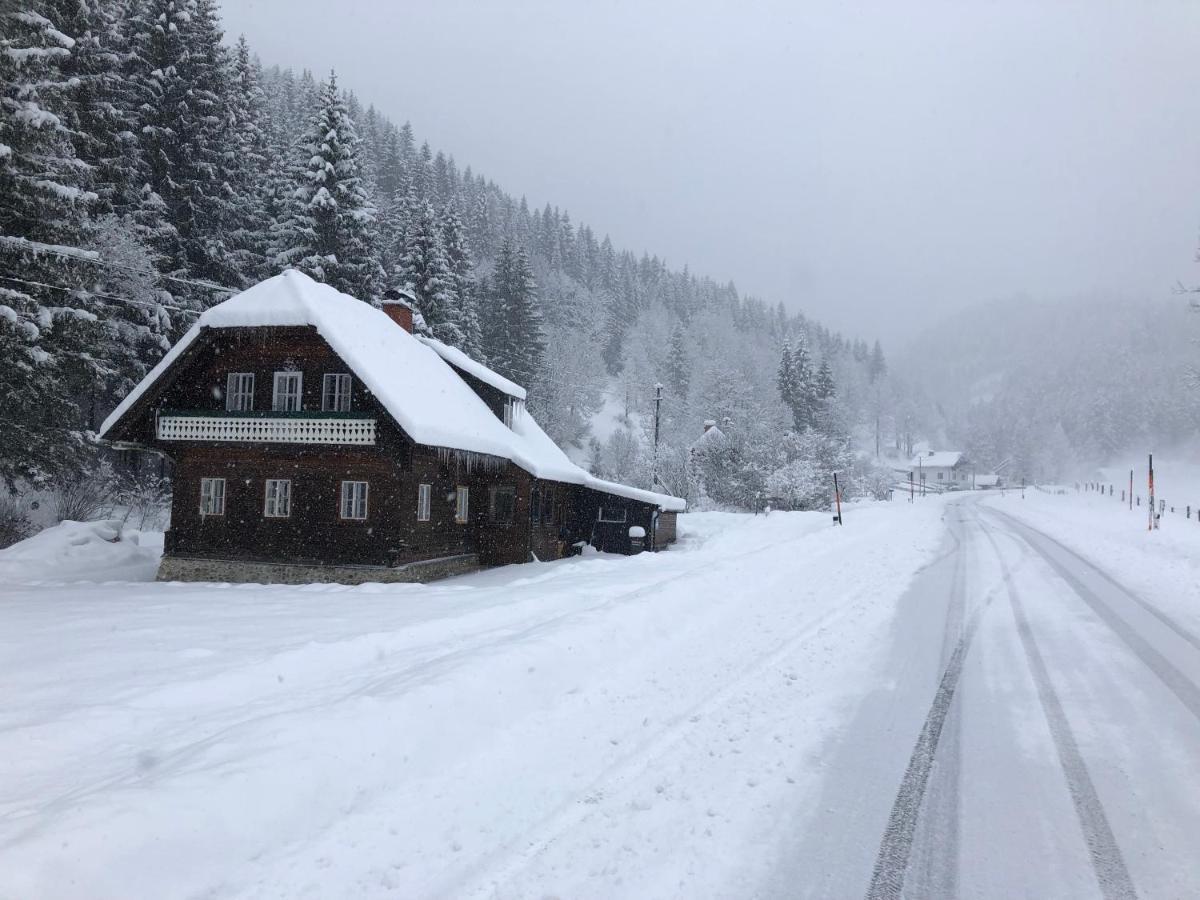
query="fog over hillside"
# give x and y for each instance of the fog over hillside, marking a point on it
(1064, 386)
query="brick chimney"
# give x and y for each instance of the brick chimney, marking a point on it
(398, 304)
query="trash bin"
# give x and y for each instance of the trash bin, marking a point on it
(637, 539)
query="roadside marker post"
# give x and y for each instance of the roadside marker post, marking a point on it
(1153, 524)
(837, 499)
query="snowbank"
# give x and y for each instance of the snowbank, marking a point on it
(83, 551)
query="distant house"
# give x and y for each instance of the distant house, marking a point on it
(941, 468)
(315, 438)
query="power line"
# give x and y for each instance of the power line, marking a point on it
(87, 256)
(74, 290)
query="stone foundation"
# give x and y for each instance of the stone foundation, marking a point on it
(181, 568)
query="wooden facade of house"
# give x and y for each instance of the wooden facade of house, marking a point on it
(283, 456)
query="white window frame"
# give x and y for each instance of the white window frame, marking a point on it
(462, 504)
(212, 497)
(288, 400)
(424, 501)
(600, 517)
(353, 505)
(239, 392)
(335, 392)
(277, 498)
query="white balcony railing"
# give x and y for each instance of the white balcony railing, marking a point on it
(269, 429)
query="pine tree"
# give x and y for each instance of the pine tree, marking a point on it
(513, 338)
(804, 403)
(179, 67)
(250, 169)
(46, 322)
(876, 365)
(679, 365)
(329, 227)
(425, 270)
(824, 386)
(462, 269)
(785, 376)
(103, 114)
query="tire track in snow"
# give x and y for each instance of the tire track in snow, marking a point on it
(1108, 863)
(895, 849)
(1182, 632)
(933, 864)
(1168, 673)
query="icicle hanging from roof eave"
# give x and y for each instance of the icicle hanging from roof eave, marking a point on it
(471, 461)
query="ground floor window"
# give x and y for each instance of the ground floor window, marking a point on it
(424, 496)
(462, 504)
(354, 500)
(502, 504)
(277, 502)
(549, 507)
(611, 514)
(535, 507)
(212, 496)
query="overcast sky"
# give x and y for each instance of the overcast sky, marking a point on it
(875, 165)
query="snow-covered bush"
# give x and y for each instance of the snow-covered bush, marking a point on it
(144, 497)
(801, 484)
(84, 495)
(14, 522)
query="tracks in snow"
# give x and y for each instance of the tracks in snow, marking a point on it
(911, 807)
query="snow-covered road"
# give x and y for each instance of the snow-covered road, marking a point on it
(1035, 732)
(936, 699)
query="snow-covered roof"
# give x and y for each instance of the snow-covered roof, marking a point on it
(710, 434)
(460, 360)
(947, 458)
(444, 412)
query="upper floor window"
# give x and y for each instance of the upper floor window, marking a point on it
(502, 504)
(239, 391)
(335, 393)
(354, 500)
(212, 496)
(462, 504)
(424, 498)
(611, 514)
(286, 397)
(277, 503)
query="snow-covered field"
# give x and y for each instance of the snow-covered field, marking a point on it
(592, 727)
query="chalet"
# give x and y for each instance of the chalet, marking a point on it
(315, 438)
(945, 469)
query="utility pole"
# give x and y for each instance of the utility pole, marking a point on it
(657, 409)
